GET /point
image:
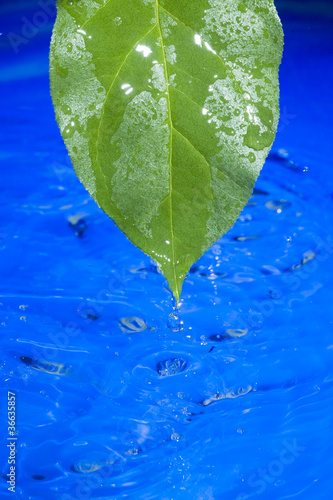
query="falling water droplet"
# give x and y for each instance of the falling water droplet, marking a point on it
(174, 323)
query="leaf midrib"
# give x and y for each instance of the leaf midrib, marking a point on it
(170, 154)
(158, 25)
(107, 95)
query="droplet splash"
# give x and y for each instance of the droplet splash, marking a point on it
(171, 367)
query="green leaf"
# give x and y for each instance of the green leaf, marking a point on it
(168, 109)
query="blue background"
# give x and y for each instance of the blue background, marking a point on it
(116, 398)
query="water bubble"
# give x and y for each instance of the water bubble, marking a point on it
(132, 325)
(307, 257)
(170, 367)
(133, 451)
(176, 437)
(245, 238)
(117, 21)
(85, 467)
(203, 338)
(242, 391)
(45, 366)
(66, 109)
(282, 156)
(78, 224)
(218, 337)
(283, 153)
(245, 218)
(277, 205)
(89, 315)
(151, 268)
(236, 332)
(208, 401)
(206, 272)
(274, 294)
(216, 249)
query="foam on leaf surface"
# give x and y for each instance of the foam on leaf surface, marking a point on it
(168, 109)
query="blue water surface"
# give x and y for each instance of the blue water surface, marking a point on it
(117, 396)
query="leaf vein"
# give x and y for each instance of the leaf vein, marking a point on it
(177, 19)
(95, 13)
(191, 144)
(189, 27)
(189, 98)
(107, 96)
